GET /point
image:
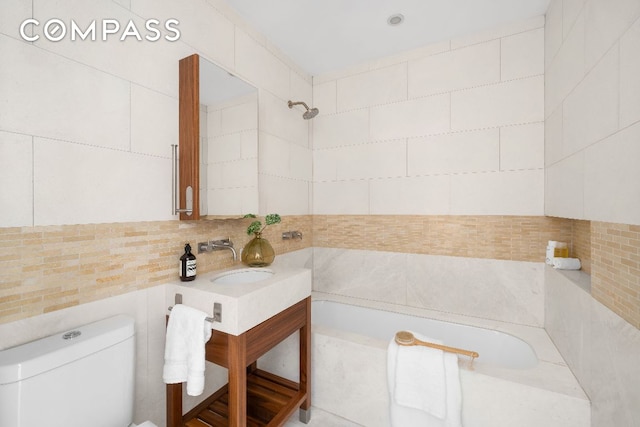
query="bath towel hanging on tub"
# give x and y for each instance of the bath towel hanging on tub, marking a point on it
(424, 386)
(188, 331)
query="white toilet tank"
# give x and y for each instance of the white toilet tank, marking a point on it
(83, 377)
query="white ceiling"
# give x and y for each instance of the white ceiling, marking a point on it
(330, 35)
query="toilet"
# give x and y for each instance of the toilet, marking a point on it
(79, 378)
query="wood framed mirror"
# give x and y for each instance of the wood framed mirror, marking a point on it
(218, 149)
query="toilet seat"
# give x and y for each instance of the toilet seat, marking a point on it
(144, 424)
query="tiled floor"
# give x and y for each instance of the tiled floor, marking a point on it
(320, 418)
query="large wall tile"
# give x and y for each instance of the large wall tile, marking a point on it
(202, 27)
(375, 87)
(552, 31)
(14, 12)
(513, 102)
(566, 69)
(570, 11)
(152, 64)
(498, 193)
(501, 290)
(374, 160)
(629, 72)
(283, 195)
(69, 101)
(78, 184)
(522, 147)
(606, 21)
(460, 152)
(419, 117)
(553, 137)
(341, 197)
(522, 55)
(325, 97)
(611, 176)
(373, 275)
(333, 130)
(153, 130)
(278, 119)
(498, 32)
(450, 71)
(397, 196)
(16, 169)
(590, 112)
(260, 67)
(564, 188)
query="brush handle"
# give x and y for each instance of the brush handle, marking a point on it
(469, 353)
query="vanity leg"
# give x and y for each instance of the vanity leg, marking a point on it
(237, 350)
(305, 364)
(174, 405)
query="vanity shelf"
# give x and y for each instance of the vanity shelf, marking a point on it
(252, 397)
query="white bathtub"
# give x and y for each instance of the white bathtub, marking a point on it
(494, 347)
(508, 386)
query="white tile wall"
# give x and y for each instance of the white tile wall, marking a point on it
(16, 169)
(591, 100)
(449, 71)
(611, 175)
(417, 117)
(590, 112)
(460, 152)
(508, 103)
(629, 72)
(123, 96)
(522, 147)
(564, 187)
(522, 55)
(376, 87)
(473, 105)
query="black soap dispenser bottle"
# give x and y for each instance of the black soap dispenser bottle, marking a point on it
(187, 265)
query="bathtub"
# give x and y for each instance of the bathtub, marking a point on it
(494, 347)
(520, 379)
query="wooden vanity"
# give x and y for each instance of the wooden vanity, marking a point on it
(252, 397)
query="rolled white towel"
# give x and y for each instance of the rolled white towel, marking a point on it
(566, 263)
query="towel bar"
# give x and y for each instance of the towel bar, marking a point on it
(208, 319)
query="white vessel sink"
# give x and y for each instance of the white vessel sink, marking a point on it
(244, 275)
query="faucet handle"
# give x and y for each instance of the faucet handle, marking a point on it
(225, 241)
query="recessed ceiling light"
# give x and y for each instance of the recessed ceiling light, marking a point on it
(395, 19)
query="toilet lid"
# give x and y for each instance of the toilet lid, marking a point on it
(147, 424)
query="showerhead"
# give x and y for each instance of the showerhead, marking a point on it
(309, 114)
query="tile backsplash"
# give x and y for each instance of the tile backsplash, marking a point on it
(50, 268)
(46, 269)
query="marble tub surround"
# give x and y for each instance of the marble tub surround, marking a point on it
(243, 305)
(509, 291)
(600, 347)
(350, 379)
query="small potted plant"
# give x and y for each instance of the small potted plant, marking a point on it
(258, 252)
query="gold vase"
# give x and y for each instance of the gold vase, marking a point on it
(258, 252)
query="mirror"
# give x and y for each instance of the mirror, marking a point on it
(218, 140)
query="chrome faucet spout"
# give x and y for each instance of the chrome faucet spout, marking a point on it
(219, 245)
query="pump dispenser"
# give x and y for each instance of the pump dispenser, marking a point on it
(187, 265)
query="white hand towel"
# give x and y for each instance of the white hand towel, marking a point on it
(566, 263)
(184, 353)
(426, 380)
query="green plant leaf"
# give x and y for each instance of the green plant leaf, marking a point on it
(254, 227)
(249, 215)
(272, 219)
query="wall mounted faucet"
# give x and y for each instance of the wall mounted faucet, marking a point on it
(287, 235)
(218, 245)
